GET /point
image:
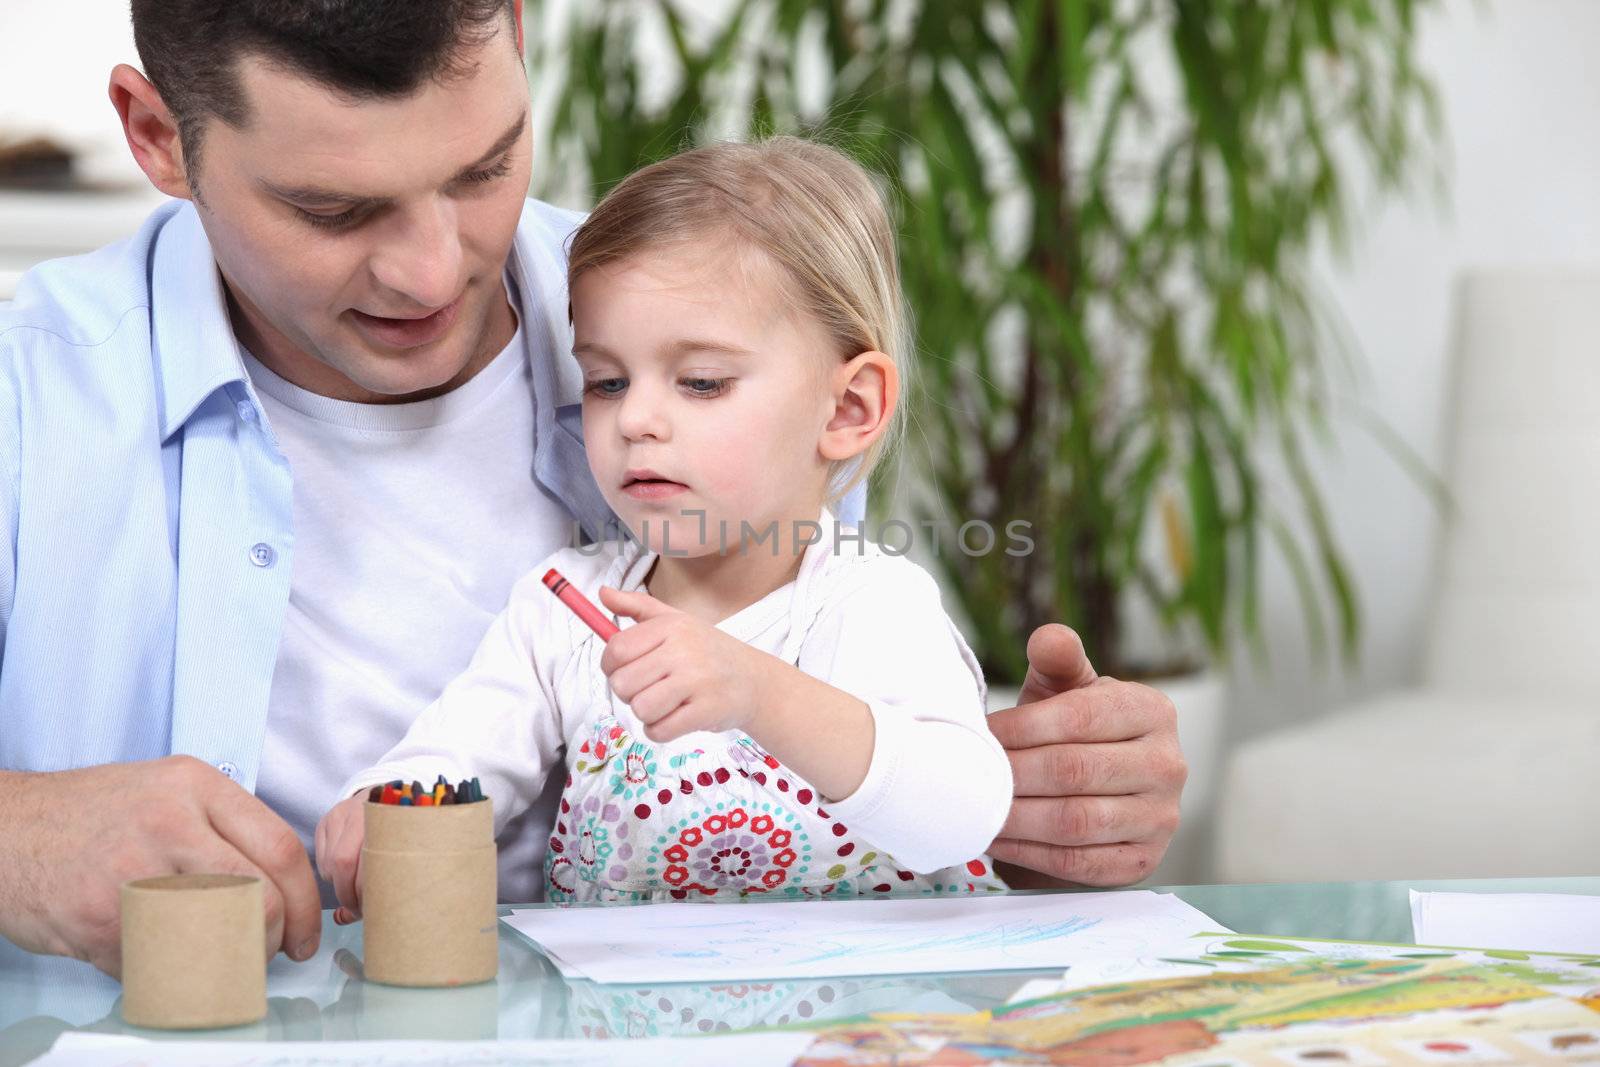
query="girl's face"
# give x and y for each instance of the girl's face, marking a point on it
(703, 392)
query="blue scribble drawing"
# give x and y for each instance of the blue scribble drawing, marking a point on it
(746, 940)
(682, 943)
(1002, 937)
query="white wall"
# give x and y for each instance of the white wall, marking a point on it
(1524, 163)
(55, 61)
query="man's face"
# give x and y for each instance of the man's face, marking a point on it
(364, 241)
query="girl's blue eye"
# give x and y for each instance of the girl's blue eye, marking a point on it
(606, 386)
(706, 387)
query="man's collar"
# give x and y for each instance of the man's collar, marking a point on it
(538, 265)
(539, 268)
(194, 350)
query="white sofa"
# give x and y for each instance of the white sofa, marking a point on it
(1491, 766)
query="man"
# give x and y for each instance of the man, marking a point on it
(326, 359)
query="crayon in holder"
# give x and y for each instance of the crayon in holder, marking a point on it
(428, 894)
(194, 951)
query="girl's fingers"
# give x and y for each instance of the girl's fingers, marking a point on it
(320, 848)
(631, 644)
(631, 679)
(638, 605)
(657, 702)
(683, 718)
(344, 847)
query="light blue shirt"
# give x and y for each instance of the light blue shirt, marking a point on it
(145, 536)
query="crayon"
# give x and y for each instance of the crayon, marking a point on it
(412, 794)
(592, 616)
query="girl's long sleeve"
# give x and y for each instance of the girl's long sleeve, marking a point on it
(939, 785)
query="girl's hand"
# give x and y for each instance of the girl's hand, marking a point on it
(678, 673)
(339, 837)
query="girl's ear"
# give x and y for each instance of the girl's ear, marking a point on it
(865, 392)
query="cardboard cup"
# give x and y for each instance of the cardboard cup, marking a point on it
(428, 895)
(193, 951)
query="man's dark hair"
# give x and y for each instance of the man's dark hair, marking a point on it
(364, 48)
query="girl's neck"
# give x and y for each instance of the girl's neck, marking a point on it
(717, 586)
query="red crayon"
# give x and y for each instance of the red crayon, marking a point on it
(580, 605)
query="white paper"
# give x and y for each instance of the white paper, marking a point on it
(1531, 922)
(748, 1050)
(684, 942)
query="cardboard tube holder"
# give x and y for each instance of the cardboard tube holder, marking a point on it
(428, 895)
(193, 951)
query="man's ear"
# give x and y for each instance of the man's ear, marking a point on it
(521, 45)
(866, 391)
(151, 131)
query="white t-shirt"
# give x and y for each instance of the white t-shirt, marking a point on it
(936, 793)
(410, 523)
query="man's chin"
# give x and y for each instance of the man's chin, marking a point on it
(399, 378)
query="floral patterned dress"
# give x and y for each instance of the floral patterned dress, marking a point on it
(640, 821)
(708, 816)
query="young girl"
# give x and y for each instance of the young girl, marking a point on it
(790, 711)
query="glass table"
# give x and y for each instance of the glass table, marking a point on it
(325, 998)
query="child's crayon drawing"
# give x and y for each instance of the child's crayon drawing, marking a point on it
(820, 939)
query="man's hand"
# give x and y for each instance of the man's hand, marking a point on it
(1096, 766)
(679, 673)
(339, 838)
(69, 839)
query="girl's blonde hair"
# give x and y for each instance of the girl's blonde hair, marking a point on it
(812, 210)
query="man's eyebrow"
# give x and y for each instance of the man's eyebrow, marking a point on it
(311, 194)
(500, 147)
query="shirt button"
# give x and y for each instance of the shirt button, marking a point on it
(230, 769)
(247, 411)
(262, 555)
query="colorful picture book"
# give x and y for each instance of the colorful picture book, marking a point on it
(1235, 1000)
